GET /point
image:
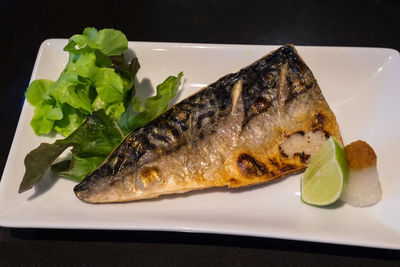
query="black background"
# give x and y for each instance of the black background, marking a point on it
(26, 24)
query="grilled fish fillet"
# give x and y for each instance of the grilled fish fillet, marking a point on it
(249, 127)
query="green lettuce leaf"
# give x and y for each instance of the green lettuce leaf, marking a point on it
(89, 82)
(37, 162)
(91, 143)
(47, 110)
(71, 120)
(77, 168)
(138, 115)
(38, 90)
(111, 42)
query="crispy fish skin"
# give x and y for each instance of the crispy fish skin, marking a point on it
(249, 127)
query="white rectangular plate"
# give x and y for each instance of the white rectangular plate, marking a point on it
(360, 84)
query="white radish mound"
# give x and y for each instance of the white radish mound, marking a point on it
(363, 188)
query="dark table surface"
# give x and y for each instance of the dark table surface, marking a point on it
(25, 24)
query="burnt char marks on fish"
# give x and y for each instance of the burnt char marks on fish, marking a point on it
(134, 147)
(298, 79)
(251, 167)
(264, 77)
(199, 111)
(318, 122)
(303, 156)
(222, 90)
(288, 168)
(158, 138)
(257, 79)
(181, 116)
(164, 137)
(274, 162)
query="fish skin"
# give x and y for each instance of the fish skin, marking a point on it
(230, 133)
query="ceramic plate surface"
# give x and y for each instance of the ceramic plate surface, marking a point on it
(362, 86)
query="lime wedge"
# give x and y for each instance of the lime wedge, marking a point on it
(326, 177)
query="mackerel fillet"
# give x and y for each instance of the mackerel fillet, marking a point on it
(249, 127)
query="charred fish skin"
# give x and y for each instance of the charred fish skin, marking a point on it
(249, 127)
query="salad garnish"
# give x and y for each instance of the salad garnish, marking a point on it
(93, 104)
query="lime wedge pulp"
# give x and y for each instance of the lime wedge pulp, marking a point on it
(326, 177)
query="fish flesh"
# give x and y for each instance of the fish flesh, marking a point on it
(249, 127)
(253, 126)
